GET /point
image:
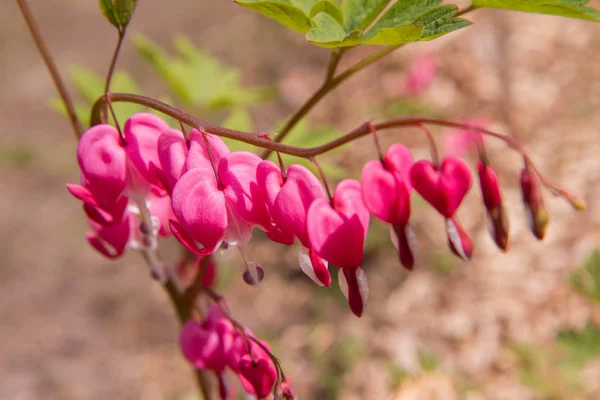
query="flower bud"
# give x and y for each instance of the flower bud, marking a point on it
(492, 198)
(251, 280)
(576, 202)
(458, 239)
(534, 204)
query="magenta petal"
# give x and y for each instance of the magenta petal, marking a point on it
(110, 215)
(270, 181)
(459, 240)
(490, 186)
(82, 194)
(320, 268)
(141, 133)
(399, 160)
(200, 207)
(353, 283)
(103, 163)
(160, 207)
(237, 172)
(111, 241)
(300, 190)
(172, 153)
(455, 182)
(198, 155)
(257, 377)
(198, 345)
(380, 192)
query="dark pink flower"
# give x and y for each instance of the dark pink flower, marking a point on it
(257, 373)
(492, 198)
(445, 188)
(386, 192)
(288, 204)
(537, 213)
(111, 241)
(337, 233)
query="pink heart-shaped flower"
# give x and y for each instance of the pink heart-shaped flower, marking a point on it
(445, 188)
(257, 377)
(338, 233)
(172, 153)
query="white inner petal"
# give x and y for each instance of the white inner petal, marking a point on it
(454, 237)
(306, 265)
(343, 283)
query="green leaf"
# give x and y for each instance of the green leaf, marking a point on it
(564, 8)
(586, 280)
(118, 12)
(396, 35)
(580, 346)
(439, 20)
(87, 82)
(282, 11)
(359, 14)
(198, 79)
(328, 32)
(403, 13)
(329, 7)
(435, 20)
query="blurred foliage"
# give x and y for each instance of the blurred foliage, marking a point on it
(90, 86)
(586, 280)
(17, 156)
(564, 8)
(555, 373)
(326, 24)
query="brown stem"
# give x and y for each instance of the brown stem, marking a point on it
(113, 61)
(323, 179)
(259, 141)
(435, 158)
(49, 61)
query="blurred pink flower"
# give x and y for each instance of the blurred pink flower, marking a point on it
(420, 75)
(457, 142)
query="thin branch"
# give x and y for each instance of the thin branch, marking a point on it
(49, 61)
(259, 141)
(115, 56)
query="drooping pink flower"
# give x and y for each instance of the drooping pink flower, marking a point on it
(386, 192)
(537, 214)
(111, 241)
(162, 212)
(492, 198)
(287, 392)
(445, 188)
(421, 74)
(198, 155)
(257, 373)
(288, 203)
(337, 232)
(102, 160)
(172, 153)
(141, 134)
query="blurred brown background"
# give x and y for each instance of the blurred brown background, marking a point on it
(76, 326)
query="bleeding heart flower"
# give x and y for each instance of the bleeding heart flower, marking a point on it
(386, 192)
(458, 239)
(537, 214)
(172, 153)
(198, 156)
(337, 233)
(162, 212)
(111, 241)
(492, 198)
(257, 374)
(445, 188)
(102, 160)
(141, 134)
(288, 203)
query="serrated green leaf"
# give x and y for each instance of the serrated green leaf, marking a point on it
(439, 20)
(564, 8)
(118, 12)
(396, 35)
(403, 13)
(329, 7)
(282, 11)
(359, 14)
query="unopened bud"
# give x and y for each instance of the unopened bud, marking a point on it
(459, 240)
(576, 202)
(538, 215)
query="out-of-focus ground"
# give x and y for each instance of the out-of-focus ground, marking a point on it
(76, 326)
